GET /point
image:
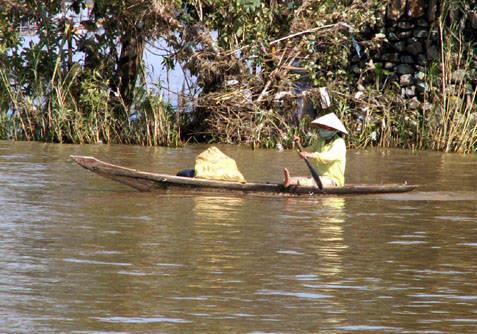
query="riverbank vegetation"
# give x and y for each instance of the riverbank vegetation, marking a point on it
(399, 73)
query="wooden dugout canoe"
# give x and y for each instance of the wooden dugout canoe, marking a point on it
(145, 181)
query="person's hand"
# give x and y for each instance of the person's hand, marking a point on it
(297, 140)
(304, 155)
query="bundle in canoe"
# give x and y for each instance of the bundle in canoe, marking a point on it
(145, 181)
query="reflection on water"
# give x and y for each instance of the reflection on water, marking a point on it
(81, 254)
(444, 196)
(217, 209)
(331, 246)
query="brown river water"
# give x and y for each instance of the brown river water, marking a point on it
(83, 254)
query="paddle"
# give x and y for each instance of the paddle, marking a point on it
(313, 171)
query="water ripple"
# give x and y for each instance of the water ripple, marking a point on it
(368, 328)
(141, 320)
(303, 295)
(81, 261)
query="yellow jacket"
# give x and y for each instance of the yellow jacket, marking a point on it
(329, 159)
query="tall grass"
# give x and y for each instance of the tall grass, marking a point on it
(80, 108)
(452, 125)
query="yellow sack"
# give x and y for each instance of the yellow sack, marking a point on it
(212, 164)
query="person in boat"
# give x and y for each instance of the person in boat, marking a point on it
(329, 156)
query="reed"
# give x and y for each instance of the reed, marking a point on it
(80, 108)
(155, 122)
(452, 124)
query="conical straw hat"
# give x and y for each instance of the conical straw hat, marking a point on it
(330, 120)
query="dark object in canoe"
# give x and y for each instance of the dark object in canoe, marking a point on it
(145, 181)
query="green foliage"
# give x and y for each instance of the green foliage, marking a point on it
(87, 83)
(237, 22)
(57, 88)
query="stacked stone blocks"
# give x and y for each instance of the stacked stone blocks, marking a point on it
(413, 42)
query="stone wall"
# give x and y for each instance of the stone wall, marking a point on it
(413, 43)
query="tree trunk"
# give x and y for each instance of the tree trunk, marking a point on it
(128, 65)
